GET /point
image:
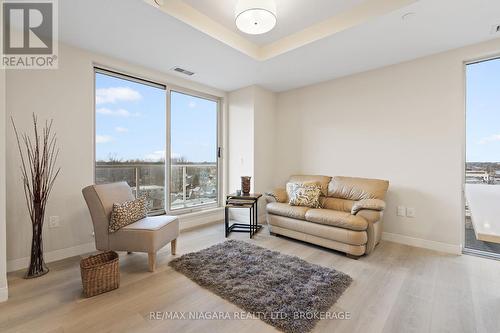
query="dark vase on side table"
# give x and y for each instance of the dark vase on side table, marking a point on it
(245, 184)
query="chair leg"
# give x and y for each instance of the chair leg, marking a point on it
(152, 261)
(173, 246)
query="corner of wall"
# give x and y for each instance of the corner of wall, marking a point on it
(251, 137)
(375, 124)
(455, 249)
(3, 231)
(4, 294)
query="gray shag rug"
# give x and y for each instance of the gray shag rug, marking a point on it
(282, 290)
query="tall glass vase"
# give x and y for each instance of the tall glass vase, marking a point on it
(37, 265)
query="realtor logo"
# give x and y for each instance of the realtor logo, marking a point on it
(29, 34)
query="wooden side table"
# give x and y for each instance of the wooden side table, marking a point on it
(249, 201)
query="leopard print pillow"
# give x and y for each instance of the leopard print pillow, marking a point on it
(127, 213)
(306, 195)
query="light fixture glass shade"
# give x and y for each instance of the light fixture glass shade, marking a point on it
(255, 17)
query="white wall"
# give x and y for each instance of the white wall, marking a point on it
(240, 136)
(264, 144)
(3, 247)
(65, 95)
(404, 123)
(251, 141)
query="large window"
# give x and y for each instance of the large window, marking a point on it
(130, 130)
(132, 142)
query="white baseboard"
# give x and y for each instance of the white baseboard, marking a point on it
(17, 264)
(194, 220)
(187, 221)
(4, 294)
(423, 243)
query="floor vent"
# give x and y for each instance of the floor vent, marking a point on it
(183, 71)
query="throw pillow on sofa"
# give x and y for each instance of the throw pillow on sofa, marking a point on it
(127, 213)
(305, 194)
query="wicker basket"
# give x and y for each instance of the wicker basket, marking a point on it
(100, 273)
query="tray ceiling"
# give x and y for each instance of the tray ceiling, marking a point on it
(299, 22)
(138, 33)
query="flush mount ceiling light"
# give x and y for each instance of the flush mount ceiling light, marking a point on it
(255, 17)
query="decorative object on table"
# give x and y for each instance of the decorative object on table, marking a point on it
(238, 192)
(249, 201)
(266, 282)
(38, 159)
(245, 184)
(100, 273)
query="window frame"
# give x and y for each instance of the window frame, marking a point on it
(102, 69)
(218, 100)
(464, 248)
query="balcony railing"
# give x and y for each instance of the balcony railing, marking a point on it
(191, 185)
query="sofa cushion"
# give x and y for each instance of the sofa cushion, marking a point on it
(306, 195)
(342, 235)
(151, 223)
(342, 205)
(357, 188)
(284, 209)
(291, 186)
(321, 180)
(147, 235)
(277, 195)
(371, 216)
(126, 213)
(368, 204)
(336, 218)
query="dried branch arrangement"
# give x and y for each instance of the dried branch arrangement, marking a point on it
(38, 159)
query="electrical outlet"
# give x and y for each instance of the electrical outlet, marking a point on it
(54, 222)
(401, 211)
(411, 212)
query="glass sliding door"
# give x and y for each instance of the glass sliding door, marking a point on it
(482, 168)
(138, 123)
(194, 175)
(130, 135)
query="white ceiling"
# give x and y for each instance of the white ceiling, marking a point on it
(136, 32)
(293, 15)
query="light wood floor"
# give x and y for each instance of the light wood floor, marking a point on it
(396, 289)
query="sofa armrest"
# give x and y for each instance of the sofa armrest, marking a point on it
(277, 195)
(370, 204)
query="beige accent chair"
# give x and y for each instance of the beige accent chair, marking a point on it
(147, 235)
(349, 221)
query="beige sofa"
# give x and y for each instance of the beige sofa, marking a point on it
(350, 219)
